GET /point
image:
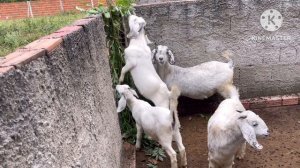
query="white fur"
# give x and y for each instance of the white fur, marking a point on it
(138, 62)
(197, 82)
(157, 122)
(229, 128)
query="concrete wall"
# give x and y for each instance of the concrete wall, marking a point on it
(140, 2)
(57, 105)
(198, 31)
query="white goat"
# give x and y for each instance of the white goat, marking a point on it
(158, 122)
(197, 82)
(138, 62)
(229, 128)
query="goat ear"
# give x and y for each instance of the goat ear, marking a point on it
(142, 25)
(134, 29)
(153, 54)
(249, 135)
(134, 93)
(171, 57)
(121, 104)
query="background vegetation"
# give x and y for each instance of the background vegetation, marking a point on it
(115, 17)
(17, 33)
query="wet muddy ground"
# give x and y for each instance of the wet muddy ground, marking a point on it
(281, 149)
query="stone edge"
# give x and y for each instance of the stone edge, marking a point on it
(166, 3)
(272, 101)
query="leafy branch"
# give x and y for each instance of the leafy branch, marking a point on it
(115, 16)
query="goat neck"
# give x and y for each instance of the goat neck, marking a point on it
(233, 135)
(139, 40)
(164, 70)
(134, 105)
(131, 99)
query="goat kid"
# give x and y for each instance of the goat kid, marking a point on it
(138, 62)
(159, 123)
(229, 128)
(197, 82)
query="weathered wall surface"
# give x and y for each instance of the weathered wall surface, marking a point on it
(198, 31)
(57, 106)
(140, 2)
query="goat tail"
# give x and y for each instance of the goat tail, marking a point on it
(175, 93)
(234, 93)
(227, 54)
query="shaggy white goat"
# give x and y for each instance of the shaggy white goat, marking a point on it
(229, 128)
(138, 62)
(197, 82)
(158, 122)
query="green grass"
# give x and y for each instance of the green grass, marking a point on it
(17, 33)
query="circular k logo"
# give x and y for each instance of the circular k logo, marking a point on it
(271, 20)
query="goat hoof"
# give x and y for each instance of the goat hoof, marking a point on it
(240, 157)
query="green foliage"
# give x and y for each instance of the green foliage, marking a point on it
(156, 153)
(151, 165)
(17, 33)
(153, 150)
(115, 18)
(148, 143)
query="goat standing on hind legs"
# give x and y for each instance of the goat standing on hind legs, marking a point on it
(138, 62)
(159, 123)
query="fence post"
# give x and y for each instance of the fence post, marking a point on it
(92, 3)
(29, 11)
(61, 5)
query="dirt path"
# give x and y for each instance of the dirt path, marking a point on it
(281, 149)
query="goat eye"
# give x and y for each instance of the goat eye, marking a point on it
(255, 124)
